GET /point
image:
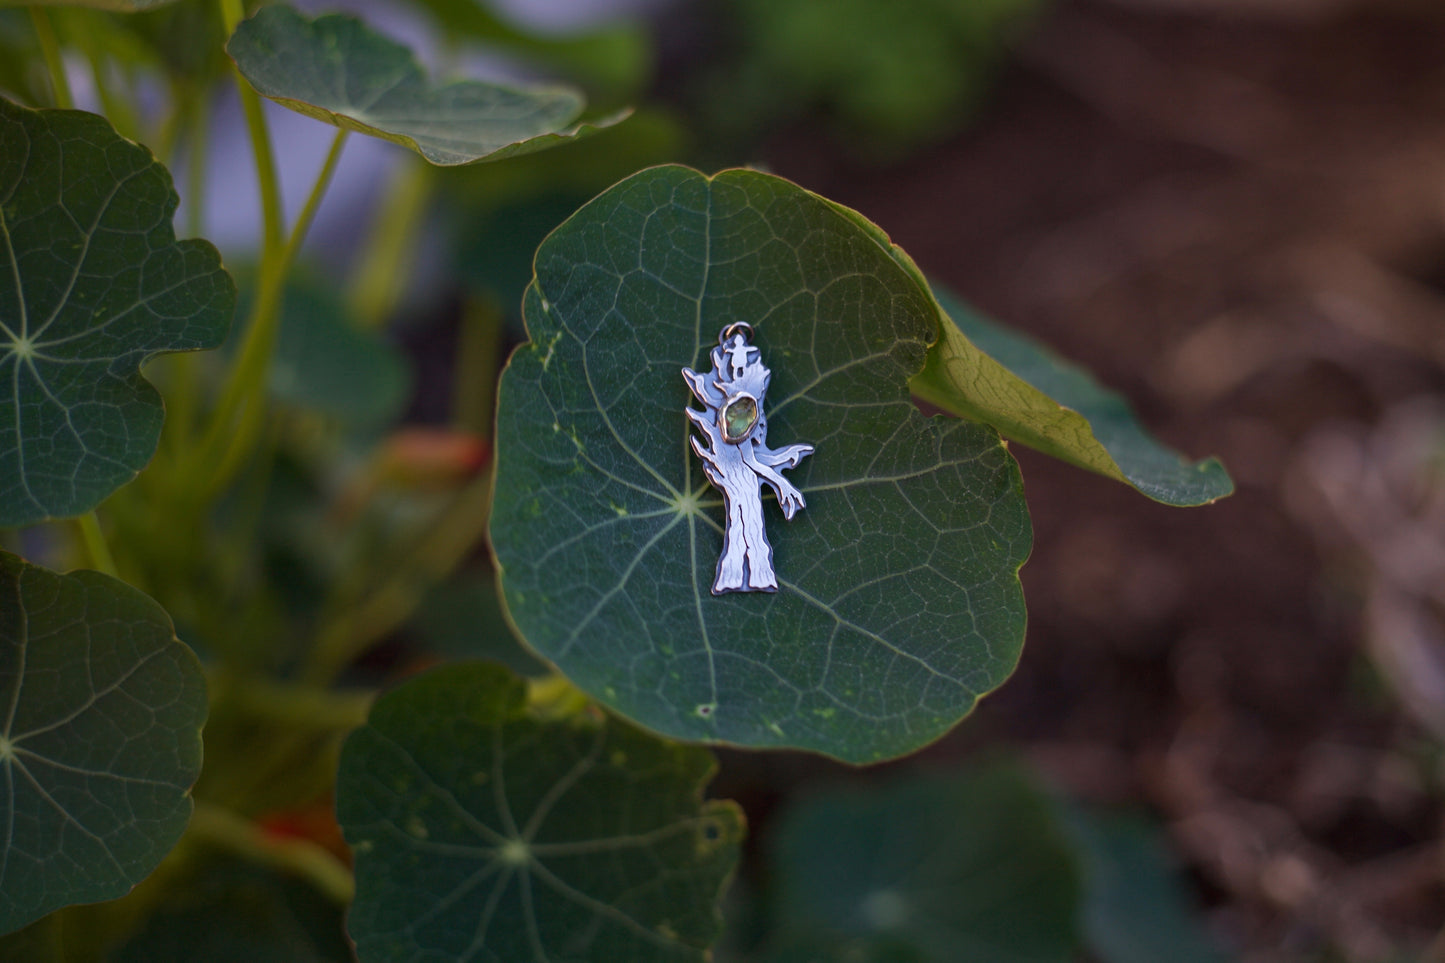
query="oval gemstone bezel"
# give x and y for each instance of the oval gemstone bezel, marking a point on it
(725, 423)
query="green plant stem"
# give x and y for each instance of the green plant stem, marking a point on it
(50, 50)
(300, 706)
(95, 545)
(239, 414)
(479, 352)
(227, 830)
(313, 201)
(385, 264)
(232, 11)
(198, 117)
(356, 624)
(117, 109)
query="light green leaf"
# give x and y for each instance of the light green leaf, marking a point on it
(102, 710)
(899, 600)
(981, 370)
(483, 833)
(933, 869)
(92, 283)
(337, 70)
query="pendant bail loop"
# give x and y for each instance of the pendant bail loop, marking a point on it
(737, 327)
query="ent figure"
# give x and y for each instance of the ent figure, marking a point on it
(739, 459)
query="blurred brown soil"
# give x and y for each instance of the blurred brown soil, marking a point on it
(1240, 224)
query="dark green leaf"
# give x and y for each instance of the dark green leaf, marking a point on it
(482, 833)
(1136, 909)
(93, 283)
(236, 912)
(337, 70)
(935, 869)
(102, 714)
(899, 601)
(981, 370)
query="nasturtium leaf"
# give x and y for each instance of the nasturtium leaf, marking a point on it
(92, 283)
(981, 370)
(482, 832)
(230, 911)
(337, 70)
(101, 708)
(899, 601)
(936, 868)
(1136, 907)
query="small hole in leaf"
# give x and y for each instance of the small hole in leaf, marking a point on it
(711, 832)
(706, 709)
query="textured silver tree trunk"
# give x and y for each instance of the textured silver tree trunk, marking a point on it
(739, 462)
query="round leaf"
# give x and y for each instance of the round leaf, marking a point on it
(102, 711)
(483, 833)
(899, 601)
(969, 866)
(981, 370)
(92, 283)
(337, 70)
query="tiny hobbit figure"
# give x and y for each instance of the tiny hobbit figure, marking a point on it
(739, 460)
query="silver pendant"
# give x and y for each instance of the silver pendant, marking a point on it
(738, 460)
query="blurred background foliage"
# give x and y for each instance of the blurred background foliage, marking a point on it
(1226, 730)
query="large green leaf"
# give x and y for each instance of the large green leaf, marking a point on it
(92, 283)
(337, 70)
(483, 832)
(102, 714)
(981, 370)
(933, 869)
(899, 599)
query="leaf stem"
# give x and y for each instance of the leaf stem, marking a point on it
(313, 201)
(198, 116)
(479, 351)
(236, 422)
(117, 109)
(50, 50)
(303, 707)
(95, 545)
(225, 829)
(228, 442)
(382, 269)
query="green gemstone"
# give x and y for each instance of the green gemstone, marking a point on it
(738, 417)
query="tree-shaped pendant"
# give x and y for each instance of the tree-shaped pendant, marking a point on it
(738, 459)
